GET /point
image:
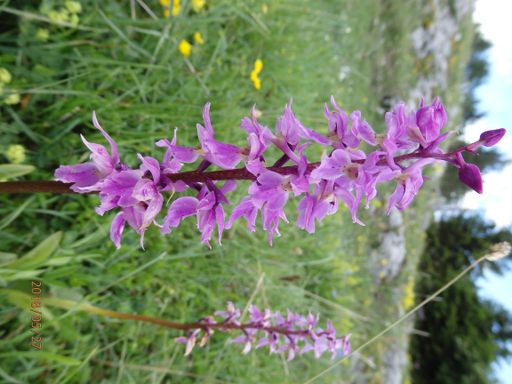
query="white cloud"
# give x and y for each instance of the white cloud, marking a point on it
(494, 18)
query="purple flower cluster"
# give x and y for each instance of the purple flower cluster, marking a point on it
(346, 174)
(289, 333)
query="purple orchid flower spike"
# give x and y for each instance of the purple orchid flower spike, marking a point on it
(86, 177)
(347, 174)
(291, 334)
(226, 156)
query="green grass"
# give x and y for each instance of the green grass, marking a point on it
(127, 67)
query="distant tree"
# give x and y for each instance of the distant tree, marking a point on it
(466, 333)
(477, 70)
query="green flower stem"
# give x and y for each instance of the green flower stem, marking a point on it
(400, 319)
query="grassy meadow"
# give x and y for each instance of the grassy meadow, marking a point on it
(122, 59)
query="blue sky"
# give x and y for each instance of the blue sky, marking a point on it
(496, 101)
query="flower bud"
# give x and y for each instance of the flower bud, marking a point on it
(470, 175)
(489, 138)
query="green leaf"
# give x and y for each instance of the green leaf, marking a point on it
(14, 274)
(9, 171)
(23, 301)
(39, 254)
(14, 214)
(6, 258)
(42, 355)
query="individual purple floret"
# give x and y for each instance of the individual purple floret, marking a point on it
(355, 162)
(291, 333)
(88, 176)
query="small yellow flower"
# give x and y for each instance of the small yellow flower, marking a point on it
(42, 34)
(198, 38)
(74, 7)
(258, 66)
(12, 99)
(5, 76)
(185, 48)
(256, 81)
(167, 12)
(198, 5)
(264, 8)
(15, 153)
(175, 7)
(408, 298)
(165, 3)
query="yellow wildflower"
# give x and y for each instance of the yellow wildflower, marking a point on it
(175, 7)
(42, 34)
(198, 5)
(5, 76)
(15, 153)
(74, 7)
(198, 38)
(256, 81)
(408, 299)
(167, 12)
(264, 8)
(12, 99)
(258, 66)
(165, 3)
(185, 48)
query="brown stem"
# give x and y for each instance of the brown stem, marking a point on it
(44, 186)
(187, 177)
(68, 304)
(191, 177)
